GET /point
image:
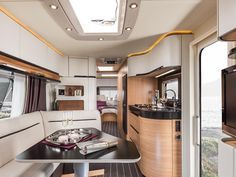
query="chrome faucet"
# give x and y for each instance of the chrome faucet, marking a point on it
(174, 97)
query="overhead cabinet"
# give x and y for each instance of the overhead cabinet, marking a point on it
(20, 43)
(10, 36)
(226, 20)
(168, 53)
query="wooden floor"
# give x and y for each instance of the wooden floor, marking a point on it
(116, 169)
(112, 169)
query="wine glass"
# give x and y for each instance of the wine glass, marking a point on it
(65, 121)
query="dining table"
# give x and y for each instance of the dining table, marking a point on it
(124, 152)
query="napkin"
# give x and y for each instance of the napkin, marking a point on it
(95, 145)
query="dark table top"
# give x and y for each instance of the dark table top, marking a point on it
(124, 152)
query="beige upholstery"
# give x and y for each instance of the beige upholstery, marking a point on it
(16, 169)
(19, 133)
(81, 119)
(16, 135)
(12, 145)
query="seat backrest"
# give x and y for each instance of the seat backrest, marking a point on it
(81, 119)
(18, 134)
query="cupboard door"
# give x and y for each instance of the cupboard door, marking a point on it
(9, 35)
(226, 16)
(33, 50)
(78, 66)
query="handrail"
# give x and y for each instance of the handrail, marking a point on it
(163, 36)
(10, 15)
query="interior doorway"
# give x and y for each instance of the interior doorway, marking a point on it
(213, 59)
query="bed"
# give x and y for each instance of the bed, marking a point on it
(108, 111)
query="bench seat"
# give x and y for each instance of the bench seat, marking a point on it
(17, 169)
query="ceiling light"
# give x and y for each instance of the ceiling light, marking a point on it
(167, 72)
(133, 6)
(101, 16)
(69, 29)
(54, 7)
(105, 68)
(100, 39)
(109, 75)
(128, 29)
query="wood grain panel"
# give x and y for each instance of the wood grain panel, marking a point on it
(134, 136)
(110, 117)
(134, 121)
(156, 147)
(141, 90)
(29, 68)
(70, 104)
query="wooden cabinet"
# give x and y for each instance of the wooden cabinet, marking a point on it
(70, 105)
(10, 36)
(226, 19)
(159, 143)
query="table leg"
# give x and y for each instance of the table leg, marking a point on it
(81, 169)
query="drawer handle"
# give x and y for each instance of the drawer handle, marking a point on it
(134, 129)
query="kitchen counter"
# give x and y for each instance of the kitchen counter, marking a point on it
(160, 113)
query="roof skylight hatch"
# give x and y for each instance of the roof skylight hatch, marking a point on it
(95, 19)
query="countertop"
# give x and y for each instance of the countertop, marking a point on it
(161, 113)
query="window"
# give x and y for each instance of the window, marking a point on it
(102, 17)
(171, 88)
(213, 60)
(6, 90)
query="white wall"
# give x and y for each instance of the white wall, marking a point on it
(107, 82)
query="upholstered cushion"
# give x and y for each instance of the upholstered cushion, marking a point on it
(16, 169)
(18, 134)
(52, 120)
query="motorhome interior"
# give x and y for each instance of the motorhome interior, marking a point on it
(118, 88)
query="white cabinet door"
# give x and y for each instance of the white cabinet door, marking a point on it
(57, 63)
(226, 160)
(78, 66)
(92, 66)
(92, 93)
(10, 36)
(167, 53)
(33, 50)
(226, 16)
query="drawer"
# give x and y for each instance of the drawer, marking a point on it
(134, 121)
(134, 135)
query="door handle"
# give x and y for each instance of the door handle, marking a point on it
(197, 130)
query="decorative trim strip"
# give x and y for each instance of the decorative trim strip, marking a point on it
(28, 67)
(163, 36)
(10, 15)
(84, 76)
(75, 120)
(4, 136)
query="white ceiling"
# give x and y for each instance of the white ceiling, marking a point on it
(155, 17)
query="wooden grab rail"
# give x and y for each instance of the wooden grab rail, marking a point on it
(163, 36)
(19, 64)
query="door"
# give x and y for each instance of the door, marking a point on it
(124, 103)
(213, 58)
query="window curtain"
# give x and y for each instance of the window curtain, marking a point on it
(35, 94)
